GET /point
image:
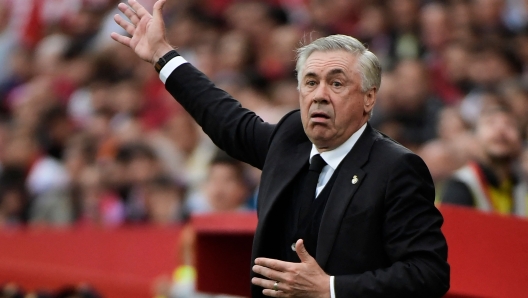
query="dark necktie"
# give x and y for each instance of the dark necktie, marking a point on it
(307, 193)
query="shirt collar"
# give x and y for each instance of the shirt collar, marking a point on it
(334, 157)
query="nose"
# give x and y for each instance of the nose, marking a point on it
(321, 93)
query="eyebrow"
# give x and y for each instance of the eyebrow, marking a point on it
(332, 72)
(310, 75)
(336, 71)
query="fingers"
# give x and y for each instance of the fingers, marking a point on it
(273, 293)
(129, 12)
(129, 28)
(272, 263)
(301, 251)
(268, 286)
(121, 39)
(157, 10)
(269, 273)
(138, 8)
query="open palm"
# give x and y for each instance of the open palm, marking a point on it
(147, 32)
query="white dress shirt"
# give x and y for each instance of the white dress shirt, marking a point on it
(332, 158)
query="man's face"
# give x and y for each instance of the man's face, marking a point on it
(333, 105)
(499, 136)
(413, 86)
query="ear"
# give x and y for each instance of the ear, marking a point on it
(369, 100)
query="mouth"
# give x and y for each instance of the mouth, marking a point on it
(319, 116)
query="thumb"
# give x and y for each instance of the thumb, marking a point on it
(301, 251)
(157, 9)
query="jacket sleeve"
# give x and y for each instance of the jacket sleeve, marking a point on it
(412, 238)
(236, 130)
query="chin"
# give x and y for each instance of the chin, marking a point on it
(318, 139)
(319, 131)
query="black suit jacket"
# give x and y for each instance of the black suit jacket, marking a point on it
(379, 237)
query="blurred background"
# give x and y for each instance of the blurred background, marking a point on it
(90, 138)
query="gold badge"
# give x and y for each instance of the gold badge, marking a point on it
(355, 179)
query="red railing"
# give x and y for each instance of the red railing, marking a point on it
(488, 255)
(121, 262)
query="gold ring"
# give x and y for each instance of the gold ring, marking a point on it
(276, 286)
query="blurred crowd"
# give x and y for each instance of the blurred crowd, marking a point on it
(89, 136)
(11, 290)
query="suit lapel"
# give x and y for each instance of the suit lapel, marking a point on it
(281, 174)
(349, 179)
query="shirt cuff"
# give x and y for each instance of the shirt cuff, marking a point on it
(332, 290)
(170, 67)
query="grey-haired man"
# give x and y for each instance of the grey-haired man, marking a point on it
(367, 227)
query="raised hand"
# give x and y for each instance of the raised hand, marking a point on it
(147, 31)
(304, 279)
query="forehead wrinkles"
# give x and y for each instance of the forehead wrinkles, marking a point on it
(323, 66)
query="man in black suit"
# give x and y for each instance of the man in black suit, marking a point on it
(368, 226)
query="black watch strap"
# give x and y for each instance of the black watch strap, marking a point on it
(164, 59)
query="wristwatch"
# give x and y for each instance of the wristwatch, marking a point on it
(164, 59)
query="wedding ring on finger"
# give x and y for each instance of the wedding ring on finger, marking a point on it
(276, 286)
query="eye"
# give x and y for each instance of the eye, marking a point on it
(336, 84)
(310, 83)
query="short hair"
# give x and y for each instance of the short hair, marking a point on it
(222, 158)
(368, 63)
(128, 152)
(163, 182)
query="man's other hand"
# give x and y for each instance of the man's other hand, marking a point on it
(304, 279)
(147, 32)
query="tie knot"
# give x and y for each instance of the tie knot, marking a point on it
(317, 163)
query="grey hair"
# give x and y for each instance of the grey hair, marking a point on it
(368, 63)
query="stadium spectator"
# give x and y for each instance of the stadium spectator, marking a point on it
(489, 183)
(13, 198)
(164, 201)
(138, 165)
(65, 80)
(99, 205)
(227, 187)
(414, 109)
